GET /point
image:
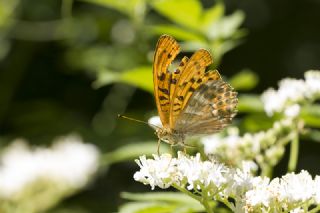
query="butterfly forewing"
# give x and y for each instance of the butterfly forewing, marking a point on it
(189, 80)
(166, 50)
(175, 76)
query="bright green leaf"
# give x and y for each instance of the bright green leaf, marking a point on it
(180, 201)
(145, 207)
(132, 8)
(159, 196)
(185, 13)
(227, 26)
(244, 80)
(311, 115)
(140, 77)
(177, 32)
(211, 16)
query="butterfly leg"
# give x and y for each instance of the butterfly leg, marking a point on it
(158, 147)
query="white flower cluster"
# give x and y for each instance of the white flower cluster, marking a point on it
(292, 91)
(69, 162)
(250, 194)
(288, 193)
(164, 171)
(234, 149)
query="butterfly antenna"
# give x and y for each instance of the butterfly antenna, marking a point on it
(136, 120)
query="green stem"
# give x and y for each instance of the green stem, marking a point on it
(203, 200)
(294, 152)
(198, 198)
(227, 203)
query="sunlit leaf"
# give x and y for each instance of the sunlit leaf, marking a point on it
(244, 80)
(177, 32)
(132, 8)
(311, 115)
(146, 207)
(180, 202)
(211, 16)
(140, 77)
(185, 13)
(226, 26)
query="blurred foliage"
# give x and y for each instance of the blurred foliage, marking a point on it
(160, 202)
(72, 66)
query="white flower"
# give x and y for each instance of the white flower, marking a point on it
(292, 91)
(249, 193)
(292, 111)
(312, 80)
(185, 171)
(317, 189)
(234, 148)
(160, 171)
(260, 194)
(296, 187)
(69, 162)
(201, 173)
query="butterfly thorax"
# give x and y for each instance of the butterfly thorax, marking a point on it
(170, 136)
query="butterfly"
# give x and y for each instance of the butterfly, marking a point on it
(190, 100)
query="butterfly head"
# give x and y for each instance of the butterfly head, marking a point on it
(169, 136)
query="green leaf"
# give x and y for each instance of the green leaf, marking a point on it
(311, 115)
(131, 151)
(185, 13)
(159, 196)
(146, 207)
(177, 32)
(313, 135)
(211, 16)
(227, 26)
(140, 77)
(179, 202)
(250, 103)
(132, 8)
(244, 80)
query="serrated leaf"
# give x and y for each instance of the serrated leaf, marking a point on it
(244, 80)
(185, 13)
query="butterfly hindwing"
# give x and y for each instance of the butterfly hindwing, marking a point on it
(166, 50)
(210, 108)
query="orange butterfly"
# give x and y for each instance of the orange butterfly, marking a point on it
(190, 100)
